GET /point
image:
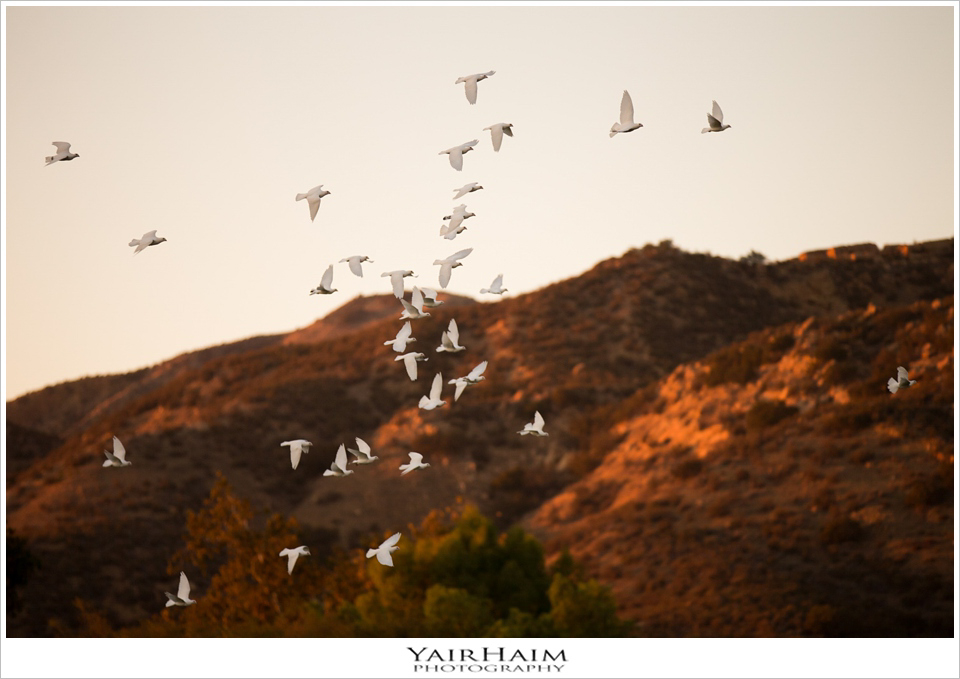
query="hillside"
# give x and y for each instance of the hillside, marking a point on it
(573, 350)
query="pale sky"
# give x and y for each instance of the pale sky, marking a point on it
(205, 122)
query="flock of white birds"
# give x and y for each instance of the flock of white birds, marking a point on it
(420, 299)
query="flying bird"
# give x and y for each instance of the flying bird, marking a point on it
(495, 287)
(416, 462)
(396, 279)
(535, 427)
(456, 218)
(410, 363)
(182, 598)
(715, 121)
(450, 339)
(497, 131)
(293, 554)
(313, 197)
(433, 400)
(362, 452)
(475, 376)
(118, 458)
(626, 123)
(430, 298)
(385, 549)
(297, 448)
(63, 153)
(449, 264)
(456, 153)
(465, 189)
(470, 84)
(325, 283)
(414, 308)
(354, 263)
(900, 382)
(145, 241)
(339, 465)
(403, 338)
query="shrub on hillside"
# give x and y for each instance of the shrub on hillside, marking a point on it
(766, 413)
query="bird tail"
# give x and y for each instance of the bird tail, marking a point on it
(49, 159)
(893, 385)
(107, 463)
(371, 552)
(614, 129)
(704, 130)
(135, 242)
(301, 196)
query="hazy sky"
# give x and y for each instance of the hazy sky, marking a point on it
(205, 122)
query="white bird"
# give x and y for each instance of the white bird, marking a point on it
(497, 131)
(414, 308)
(182, 597)
(297, 448)
(145, 241)
(471, 84)
(430, 298)
(450, 339)
(495, 287)
(715, 121)
(535, 427)
(339, 465)
(396, 279)
(354, 263)
(416, 462)
(385, 549)
(456, 153)
(465, 189)
(313, 197)
(118, 458)
(325, 283)
(433, 401)
(626, 123)
(362, 452)
(449, 264)
(900, 382)
(403, 338)
(63, 153)
(450, 233)
(410, 363)
(475, 376)
(293, 554)
(456, 218)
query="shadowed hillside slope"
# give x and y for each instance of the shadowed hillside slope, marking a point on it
(573, 348)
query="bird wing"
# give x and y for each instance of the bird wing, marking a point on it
(415, 459)
(291, 560)
(354, 264)
(456, 159)
(145, 240)
(460, 255)
(341, 459)
(496, 133)
(118, 450)
(383, 556)
(717, 113)
(453, 332)
(471, 89)
(405, 332)
(295, 452)
(62, 146)
(436, 388)
(463, 190)
(902, 374)
(313, 200)
(508, 130)
(416, 299)
(477, 371)
(410, 363)
(626, 109)
(327, 279)
(538, 420)
(497, 282)
(391, 541)
(446, 268)
(713, 122)
(461, 385)
(363, 446)
(184, 591)
(396, 279)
